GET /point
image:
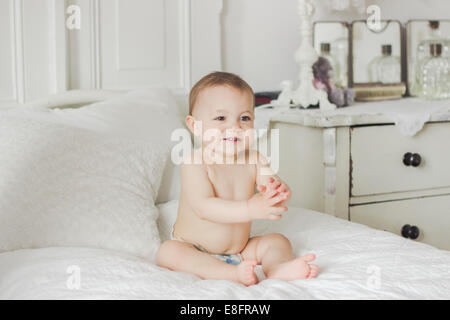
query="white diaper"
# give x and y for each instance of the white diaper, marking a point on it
(233, 259)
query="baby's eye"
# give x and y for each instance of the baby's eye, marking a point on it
(220, 118)
(246, 118)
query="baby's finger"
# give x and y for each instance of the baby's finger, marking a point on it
(271, 193)
(261, 188)
(282, 188)
(275, 184)
(278, 210)
(275, 217)
(276, 181)
(277, 199)
(285, 193)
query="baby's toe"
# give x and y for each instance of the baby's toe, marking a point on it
(308, 257)
(251, 279)
(313, 271)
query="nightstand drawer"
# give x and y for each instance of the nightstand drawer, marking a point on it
(430, 215)
(385, 161)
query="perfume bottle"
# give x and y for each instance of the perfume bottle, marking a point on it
(434, 37)
(325, 53)
(386, 68)
(434, 75)
(423, 51)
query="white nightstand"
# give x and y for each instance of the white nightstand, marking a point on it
(357, 163)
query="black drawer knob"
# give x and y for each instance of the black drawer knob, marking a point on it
(416, 160)
(411, 232)
(412, 159)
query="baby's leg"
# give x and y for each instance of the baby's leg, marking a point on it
(180, 256)
(274, 253)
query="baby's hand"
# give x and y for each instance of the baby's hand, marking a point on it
(274, 187)
(263, 205)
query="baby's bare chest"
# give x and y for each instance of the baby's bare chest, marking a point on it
(232, 182)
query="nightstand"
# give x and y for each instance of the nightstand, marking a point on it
(384, 164)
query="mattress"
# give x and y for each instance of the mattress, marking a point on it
(355, 261)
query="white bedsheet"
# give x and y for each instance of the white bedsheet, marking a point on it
(356, 262)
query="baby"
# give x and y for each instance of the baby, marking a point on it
(218, 203)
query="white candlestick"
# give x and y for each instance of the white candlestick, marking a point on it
(306, 94)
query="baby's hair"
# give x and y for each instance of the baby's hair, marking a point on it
(218, 78)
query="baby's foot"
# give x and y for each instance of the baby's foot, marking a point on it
(245, 272)
(295, 269)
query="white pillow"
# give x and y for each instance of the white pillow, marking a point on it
(151, 114)
(170, 184)
(66, 186)
(168, 212)
(148, 113)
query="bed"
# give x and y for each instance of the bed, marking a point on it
(355, 261)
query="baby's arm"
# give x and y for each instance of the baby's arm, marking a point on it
(199, 192)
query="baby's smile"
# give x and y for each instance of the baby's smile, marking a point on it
(232, 139)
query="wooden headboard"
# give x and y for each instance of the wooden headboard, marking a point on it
(87, 49)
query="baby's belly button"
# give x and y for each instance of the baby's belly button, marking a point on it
(227, 241)
(230, 250)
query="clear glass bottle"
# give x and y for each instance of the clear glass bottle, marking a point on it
(434, 37)
(423, 51)
(325, 53)
(372, 69)
(434, 75)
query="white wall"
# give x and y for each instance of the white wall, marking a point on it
(121, 44)
(261, 36)
(25, 65)
(130, 44)
(139, 43)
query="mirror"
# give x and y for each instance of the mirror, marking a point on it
(420, 35)
(376, 53)
(331, 40)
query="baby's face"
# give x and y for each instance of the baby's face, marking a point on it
(227, 117)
